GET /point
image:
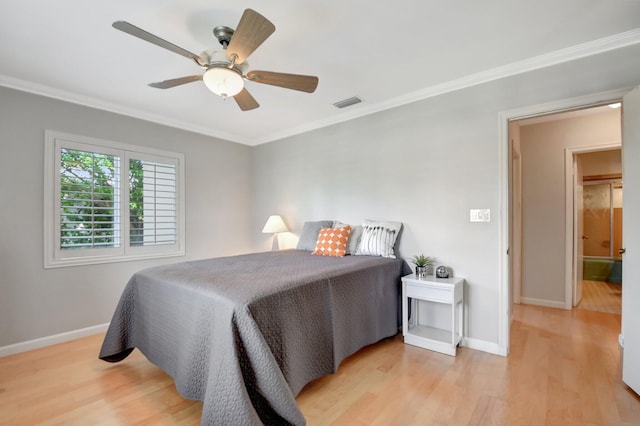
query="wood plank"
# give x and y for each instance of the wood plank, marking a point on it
(601, 296)
(564, 368)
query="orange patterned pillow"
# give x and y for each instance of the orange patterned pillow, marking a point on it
(332, 241)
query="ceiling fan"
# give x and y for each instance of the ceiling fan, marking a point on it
(225, 69)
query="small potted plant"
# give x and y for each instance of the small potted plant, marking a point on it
(422, 262)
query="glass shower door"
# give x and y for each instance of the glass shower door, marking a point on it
(597, 220)
(602, 238)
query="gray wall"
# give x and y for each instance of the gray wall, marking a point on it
(424, 164)
(35, 302)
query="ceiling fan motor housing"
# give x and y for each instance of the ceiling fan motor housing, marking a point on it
(218, 59)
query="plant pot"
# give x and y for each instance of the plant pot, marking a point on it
(421, 271)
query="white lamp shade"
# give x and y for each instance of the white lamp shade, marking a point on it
(274, 225)
(223, 81)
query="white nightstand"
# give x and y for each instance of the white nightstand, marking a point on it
(441, 290)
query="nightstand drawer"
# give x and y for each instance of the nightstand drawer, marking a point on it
(425, 292)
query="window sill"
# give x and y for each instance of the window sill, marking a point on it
(97, 260)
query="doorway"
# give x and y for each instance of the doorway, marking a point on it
(547, 152)
(628, 339)
(598, 231)
(506, 292)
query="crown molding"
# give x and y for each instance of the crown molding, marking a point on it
(91, 102)
(602, 45)
(606, 44)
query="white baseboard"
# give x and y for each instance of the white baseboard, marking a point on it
(484, 346)
(542, 302)
(477, 344)
(51, 340)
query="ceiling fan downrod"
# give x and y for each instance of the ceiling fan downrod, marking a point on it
(223, 34)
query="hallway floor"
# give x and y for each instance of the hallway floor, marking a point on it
(601, 296)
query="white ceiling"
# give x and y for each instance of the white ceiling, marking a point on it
(387, 53)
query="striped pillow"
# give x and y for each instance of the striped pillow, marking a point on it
(378, 238)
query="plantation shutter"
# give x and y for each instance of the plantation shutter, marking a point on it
(152, 202)
(89, 200)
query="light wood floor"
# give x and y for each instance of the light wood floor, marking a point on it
(564, 369)
(601, 296)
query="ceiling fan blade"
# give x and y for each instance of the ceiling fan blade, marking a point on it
(252, 30)
(167, 84)
(146, 36)
(245, 101)
(303, 83)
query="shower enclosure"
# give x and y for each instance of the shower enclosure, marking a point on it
(602, 231)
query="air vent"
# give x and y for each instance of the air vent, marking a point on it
(347, 102)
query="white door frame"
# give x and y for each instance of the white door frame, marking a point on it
(504, 302)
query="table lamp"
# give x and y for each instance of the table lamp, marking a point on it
(275, 225)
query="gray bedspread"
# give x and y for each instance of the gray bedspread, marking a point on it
(244, 334)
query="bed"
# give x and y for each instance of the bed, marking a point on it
(244, 334)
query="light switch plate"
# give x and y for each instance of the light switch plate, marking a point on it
(480, 215)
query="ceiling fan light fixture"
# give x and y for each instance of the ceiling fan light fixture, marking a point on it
(223, 81)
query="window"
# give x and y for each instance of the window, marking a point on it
(107, 201)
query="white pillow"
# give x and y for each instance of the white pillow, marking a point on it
(354, 239)
(378, 238)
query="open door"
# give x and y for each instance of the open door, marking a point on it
(631, 239)
(578, 230)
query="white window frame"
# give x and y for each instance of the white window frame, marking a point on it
(54, 257)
